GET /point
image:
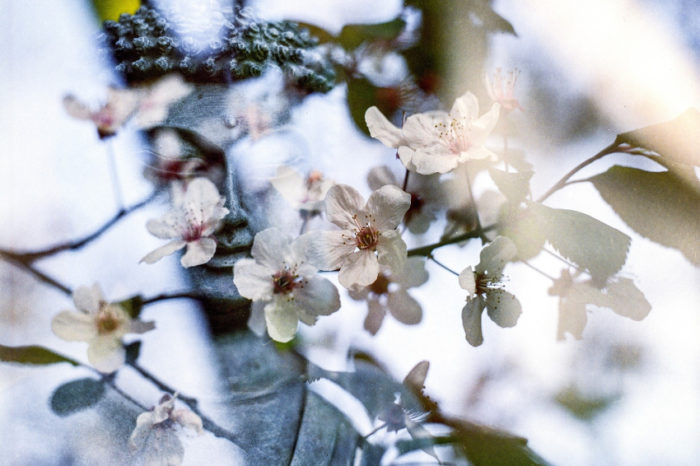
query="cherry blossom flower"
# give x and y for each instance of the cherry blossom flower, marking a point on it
(485, 291)
(147, 105)
(368, 235)
(284, 286)
(427, 196)
(196, 215)
(101, 325)
(171, 161)
(304, 194)
(155, 435)
(437, 142)
(388, 293)
(500, 89)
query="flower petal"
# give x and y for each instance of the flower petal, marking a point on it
(106, 353)
(503, 308)
(404, 308)
(342, 204)
(201, 200)
(75, 108)
(139, 326)
(281, 319)
(74, 326)
(387, 206)
(88, 298)
(471, 320)
(381, 128)
(157, 254)
(375, 316)
(465, 107)
(328, 250)
(392, 251)
(270, 248)
(420, 130)
(360, 268)
(413, 273)
(434, 159)
(290, 184)
(170, 225)
(493, 257)
(198, 252)
(318, 297)
(467, 281)
(253, 280)
(144, 424)
(188, 419)
(380, 176)
(256, 321)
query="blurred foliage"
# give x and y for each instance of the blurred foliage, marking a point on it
(77, 395)
(581, 405)
(35, 355)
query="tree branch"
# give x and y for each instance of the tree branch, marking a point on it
(41, 276)
(426, 250)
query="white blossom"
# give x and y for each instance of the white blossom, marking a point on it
(101, 325)
(302, 193)
(196, 214)
(155, 435)
(435, 141)
(500, 89)
(485, 291)
(284, 286)
(368, 235)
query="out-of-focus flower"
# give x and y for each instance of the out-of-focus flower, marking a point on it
(437, 142)
(196, 214)
(304, 194)
(427, 196)
(147, 105)
(500, 89)
(101, 325)
(368, 235)
(485, 290)
(171, 162)
(284, 286)
(388, 292)
(156, 436)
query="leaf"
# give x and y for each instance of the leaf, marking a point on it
(625, 299)
(132, 306)
(132, 351)
(353, 35)
(415, 379)
(675, 140)
(581, 405)
(77, 395)
(584, 240)
(524, 227)
(515, 186)
(32, 355)
(657, 205)
(362, 94)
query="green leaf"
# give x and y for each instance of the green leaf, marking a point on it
(584, 240)
(77, 395)
(675, 140)
(515, 186)
(353, 35)
(32, 355)
(524, 227)
(132, 306)
(657, 205)
(583, 406)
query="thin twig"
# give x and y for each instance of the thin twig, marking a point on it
(432, 258)
(167, 296)
(41, 276)
(114, 175)
(426, 250)
(539, 271)
(405, 180)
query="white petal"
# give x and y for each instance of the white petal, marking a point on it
(471, 320)
(375, 316)
(144, 424)
(404, 308)
(486, 123)
(434, 159)
(198, 252)
(163, 448)
(392, 251)
(253, 280)
(281, 320)
(360, 268)
(74, 326)
(170, 225)
(188, 419)
(161, 252)
(503, 308)
(342, 203)
(328, 250)
(466, 106)
(413, 273)
(380, 176)
(319, 296)
(467, 280)
(406, 157)
(76, 108)
(106, 354)
(139, 326)
(387, 206)
(256, 321)
(493, 256)
(476, 153)
(270, 248)
(167, 145)
(88, 298)
(290, 184)
(381, 128)
(121, 104)
(200, 199)
(420, 130)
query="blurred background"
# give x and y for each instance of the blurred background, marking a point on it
(626, 394)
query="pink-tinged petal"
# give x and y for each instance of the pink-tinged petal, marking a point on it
(467, 281)
(404, 308)
(319, 296)
(270, 247)
(157, 254)
(106, 354)
(471, 320)
(503, 308)
(486, 123)
(381, 128)
(290, 184)
(139, 326)
(253, 281)
(360, 268)
(198, 252)
(423, 129)
(281, 319)
(380, 176)
(170, 225)
(375, 316)
(465, 107)
(413, 273)
(187, 419)
(121, 104)
(88, 298)
(74, 326)
(342, 204)
(76, 108)
(144, 425)
(387, 207)
(328, 250)
(201, 198)
(256, 321)
(392, 251)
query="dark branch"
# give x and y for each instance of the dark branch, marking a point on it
(167, 296)
(41, 276)
(426, 250)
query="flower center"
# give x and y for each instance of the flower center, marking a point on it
(455, 135)
(380, 285)
(108, 320)
(417, 203)
(284, 281)
(193, 232)
(366, 238)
